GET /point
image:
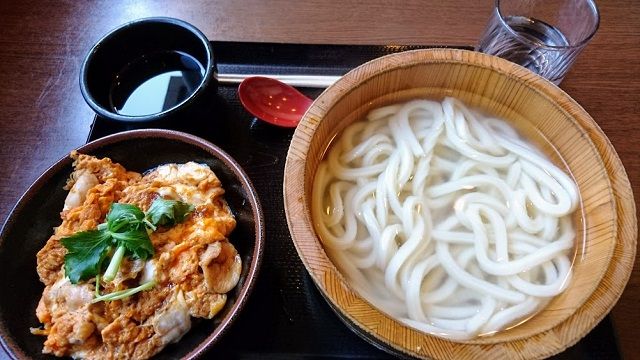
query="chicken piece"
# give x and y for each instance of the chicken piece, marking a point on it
(203, 303)
(176, 265)
(50, 260)
(69, 329)
(103, 169)
(148, 272)
(148, 302)
(65, 306)
(221, 266)
(122, 338)
(64, 296)
(129, 270)
(171, 323)
(78, 192)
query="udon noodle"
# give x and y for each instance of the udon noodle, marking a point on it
(444, 218)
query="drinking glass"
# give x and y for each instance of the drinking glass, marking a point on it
(544, 36)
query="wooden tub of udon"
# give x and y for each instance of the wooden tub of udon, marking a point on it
(550, 119)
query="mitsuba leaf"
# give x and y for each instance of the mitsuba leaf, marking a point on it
(85, 252)
(164, 212)
(123, 217)
(136, 241)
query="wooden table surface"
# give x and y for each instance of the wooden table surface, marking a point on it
(42, 43)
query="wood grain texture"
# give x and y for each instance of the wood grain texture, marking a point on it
(529, 103)
(42, 43)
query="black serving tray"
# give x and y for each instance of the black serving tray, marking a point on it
(286, 317)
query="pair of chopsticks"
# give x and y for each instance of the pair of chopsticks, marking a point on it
(312, 81)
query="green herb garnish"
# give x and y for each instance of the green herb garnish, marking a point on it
(168, 212)
(85, 252)
(117, 295)
(127, 231)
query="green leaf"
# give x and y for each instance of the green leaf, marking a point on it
(136, 242)
(164, 212)
(126, 225)
(123, 217)
(85, 252)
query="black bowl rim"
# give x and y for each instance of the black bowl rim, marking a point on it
(14, 351)
(209, 70)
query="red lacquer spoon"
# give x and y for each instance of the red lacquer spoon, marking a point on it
(273, 101)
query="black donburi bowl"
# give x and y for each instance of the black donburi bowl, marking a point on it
(31, 221)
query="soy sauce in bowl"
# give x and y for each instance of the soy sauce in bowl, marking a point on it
(154, 83)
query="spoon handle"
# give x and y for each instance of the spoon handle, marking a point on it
(312, 81)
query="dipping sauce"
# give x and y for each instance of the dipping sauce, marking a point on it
(155, 83)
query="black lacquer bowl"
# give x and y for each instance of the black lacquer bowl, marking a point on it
(31, 223)
(137, 51)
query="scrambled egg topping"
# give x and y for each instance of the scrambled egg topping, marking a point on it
(194, 264)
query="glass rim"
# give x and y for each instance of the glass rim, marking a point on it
(580, 43)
